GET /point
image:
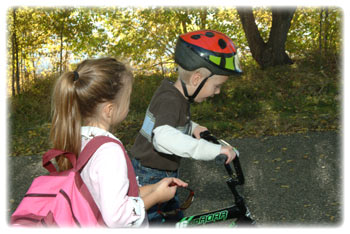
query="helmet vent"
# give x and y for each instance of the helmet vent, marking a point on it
(222, 44)
(196, 37)
(209, 34)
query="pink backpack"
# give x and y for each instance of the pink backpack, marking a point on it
(61, 198)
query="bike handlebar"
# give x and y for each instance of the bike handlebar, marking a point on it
(221, 159)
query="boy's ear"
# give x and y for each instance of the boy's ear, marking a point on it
(196, 79)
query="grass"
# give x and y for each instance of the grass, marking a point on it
(278, 100)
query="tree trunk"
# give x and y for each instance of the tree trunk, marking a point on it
(34, 67)
(16, 63)
(203, 15)
(183, 18)
(13, 60)
(320, 37)
(18, 88)
(326, 29)
(61, 49)
(272, 52)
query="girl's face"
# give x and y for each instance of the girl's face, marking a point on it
(212, 87)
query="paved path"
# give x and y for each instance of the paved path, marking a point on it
(290, 180)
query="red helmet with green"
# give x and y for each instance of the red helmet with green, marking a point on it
(210, 49)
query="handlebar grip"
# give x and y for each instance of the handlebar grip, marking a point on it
(220, 159)
(206, 135)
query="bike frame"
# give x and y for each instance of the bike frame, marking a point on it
(238, 211)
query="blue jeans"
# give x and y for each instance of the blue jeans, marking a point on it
(148, 175)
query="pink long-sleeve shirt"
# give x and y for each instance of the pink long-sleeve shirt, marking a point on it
(106, 177)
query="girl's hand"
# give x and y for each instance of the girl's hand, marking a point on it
(166, 188)
(228, 151)
(197, 131)
(177, 182)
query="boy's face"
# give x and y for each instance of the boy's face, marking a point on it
(212, 87)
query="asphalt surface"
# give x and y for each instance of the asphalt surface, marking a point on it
(290, 180)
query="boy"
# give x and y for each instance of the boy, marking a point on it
(206, 58)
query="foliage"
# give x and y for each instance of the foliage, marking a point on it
(285, 99)
(305, 31)
(29, 117)
(51, 39)
(280, 100)
(274, 101)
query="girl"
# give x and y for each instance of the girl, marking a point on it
(87, 103)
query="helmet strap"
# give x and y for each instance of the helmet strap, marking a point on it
(196, 92)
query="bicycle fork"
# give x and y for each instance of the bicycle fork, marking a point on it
(240, 210)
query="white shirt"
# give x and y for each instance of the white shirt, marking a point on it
(170, 140)
(106, 177)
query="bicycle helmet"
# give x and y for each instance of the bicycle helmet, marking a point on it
(209, 49)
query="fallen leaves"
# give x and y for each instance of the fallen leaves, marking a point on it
(33, 141)
(276, 160)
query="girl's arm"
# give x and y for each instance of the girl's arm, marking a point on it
(106, 177)
(146, 189)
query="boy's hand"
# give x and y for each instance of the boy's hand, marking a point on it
(228, 151)
(198, 131)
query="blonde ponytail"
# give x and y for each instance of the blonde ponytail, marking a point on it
(66, 119)
(76, 98)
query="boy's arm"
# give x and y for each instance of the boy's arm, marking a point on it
(169, 140)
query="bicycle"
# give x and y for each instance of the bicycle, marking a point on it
(239, 211)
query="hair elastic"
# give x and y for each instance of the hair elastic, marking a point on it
(76, 76)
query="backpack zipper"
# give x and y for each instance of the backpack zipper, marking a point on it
(64, 194)
(40, 195)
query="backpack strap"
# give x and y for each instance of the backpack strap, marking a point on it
(91, 148)
(53, 153)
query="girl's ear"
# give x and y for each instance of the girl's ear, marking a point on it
(108, 110)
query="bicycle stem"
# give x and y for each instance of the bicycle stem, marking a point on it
(231, 181)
